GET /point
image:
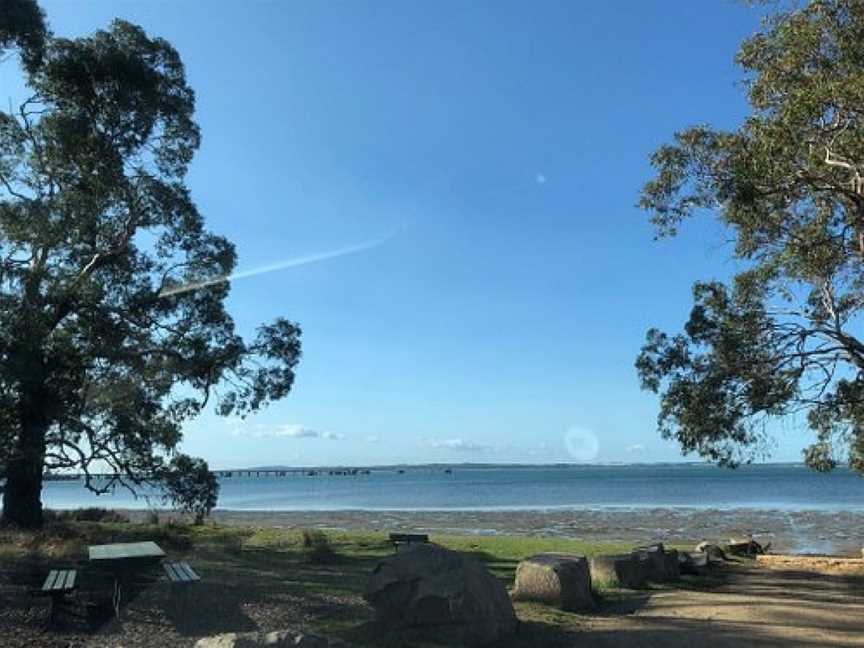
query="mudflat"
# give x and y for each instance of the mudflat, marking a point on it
(823, 532)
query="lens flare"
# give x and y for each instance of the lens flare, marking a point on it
(582, 444)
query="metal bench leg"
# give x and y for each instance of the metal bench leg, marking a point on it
(116, 597)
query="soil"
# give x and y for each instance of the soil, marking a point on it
(796, 603)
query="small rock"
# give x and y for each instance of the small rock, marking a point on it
(277, 639)
(693, 563)
(712, 551)
(744, 547)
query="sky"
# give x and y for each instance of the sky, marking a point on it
(444, 194)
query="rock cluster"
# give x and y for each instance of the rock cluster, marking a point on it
(278, 639)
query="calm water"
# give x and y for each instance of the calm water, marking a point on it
(787, 487)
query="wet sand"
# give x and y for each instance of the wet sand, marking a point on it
(814, 532)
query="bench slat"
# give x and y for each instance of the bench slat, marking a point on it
(169, 571)
(49, 582)
(189, 572)
(180, 572)
(59, 580)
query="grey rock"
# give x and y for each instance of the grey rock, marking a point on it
(619, 570)
(429, 589)
(278, 639)
(562, 580)
(744, 547)
(661, 565)
(712, 551)
(692, 562)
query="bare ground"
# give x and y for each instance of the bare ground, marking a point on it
(747, 605)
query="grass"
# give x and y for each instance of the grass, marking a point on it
(249, 569)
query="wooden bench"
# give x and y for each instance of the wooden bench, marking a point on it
(181, 576)
(57, 585)
(399, 539)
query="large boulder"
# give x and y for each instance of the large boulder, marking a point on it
(441, 593)
(661, 565)
(561, 580)
(622, 570)
(278, 639)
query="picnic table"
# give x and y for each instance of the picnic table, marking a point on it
(124, 560)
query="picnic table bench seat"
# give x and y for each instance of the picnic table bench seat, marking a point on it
(59, 581)
(181, 576)
(399, 539)
(180, 572)
(57, 585)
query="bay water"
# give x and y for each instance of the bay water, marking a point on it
(789, 487)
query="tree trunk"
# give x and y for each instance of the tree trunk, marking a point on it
(22, 496)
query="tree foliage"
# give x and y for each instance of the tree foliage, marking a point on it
(784, 337)
(113, 332)
(189, 486)
(22, 27)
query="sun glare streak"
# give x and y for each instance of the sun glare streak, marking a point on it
(280, 265)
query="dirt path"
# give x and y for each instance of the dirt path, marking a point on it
(746, 606)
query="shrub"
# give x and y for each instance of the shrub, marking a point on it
(89, 514)
(152, 518)
(190, 487)
(317, 545)
(312, 537)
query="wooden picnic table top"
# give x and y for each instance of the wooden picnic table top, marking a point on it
(125, 551)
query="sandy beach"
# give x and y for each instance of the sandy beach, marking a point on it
(814, 532)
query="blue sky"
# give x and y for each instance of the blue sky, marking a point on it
(496, 151)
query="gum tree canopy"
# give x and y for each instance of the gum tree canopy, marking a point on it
(784, 338)
(103, 355)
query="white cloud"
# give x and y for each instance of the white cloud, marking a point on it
(294, 431)
(288, 430)
(540, 178)
(457, 444)
(372, 438)
(636, 447)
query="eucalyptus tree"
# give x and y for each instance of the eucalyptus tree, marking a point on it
(113, 329)
(22, 28)
(784, 337)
